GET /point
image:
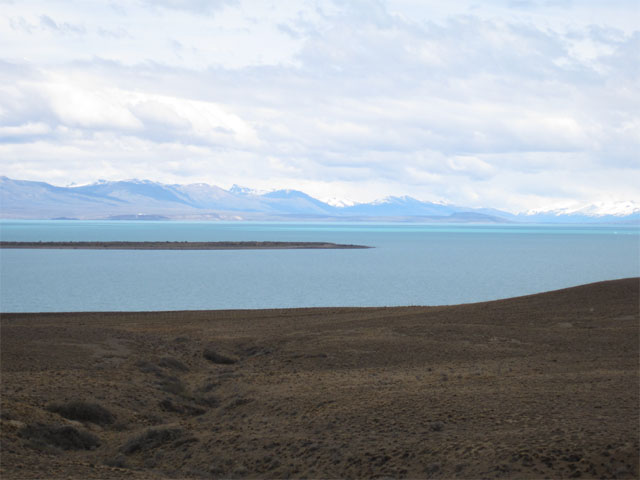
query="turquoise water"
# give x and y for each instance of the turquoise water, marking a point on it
(410, 265)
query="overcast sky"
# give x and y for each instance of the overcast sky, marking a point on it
(512, 104)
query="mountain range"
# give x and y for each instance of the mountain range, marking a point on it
(144, 199)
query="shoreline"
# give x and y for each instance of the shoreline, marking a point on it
(539, 386)
(164, 245)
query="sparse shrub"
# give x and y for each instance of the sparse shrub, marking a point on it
(119, 462)
(172, 385)
(151, 439)
(6, 415)
(64, 437)
(437, 426)
(83, 412)
(216, 357)
(207, 401)
(238, 402)
(168, 406)
(208, 386)
(173, 364)
(120, 426)
(183, 442)
(152, 419)
(148, 367)
(255, 351)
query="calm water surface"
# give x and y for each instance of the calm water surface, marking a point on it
(410, 265)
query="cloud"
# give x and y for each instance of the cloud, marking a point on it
(191, 6)
(24, 132)
(89, 105)
(45, 23)
(498, 106)
(48, 23)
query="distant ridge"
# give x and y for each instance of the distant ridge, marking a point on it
(147, 200)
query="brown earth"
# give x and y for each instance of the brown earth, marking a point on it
(543, 386)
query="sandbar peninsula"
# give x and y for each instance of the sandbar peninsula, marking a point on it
(119, 245)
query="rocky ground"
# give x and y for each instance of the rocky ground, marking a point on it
(533, 387)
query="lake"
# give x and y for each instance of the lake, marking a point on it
(411, 264)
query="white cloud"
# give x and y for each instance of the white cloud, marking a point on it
(193, 6)
(505, 105)
(24, 131)
(90, 109)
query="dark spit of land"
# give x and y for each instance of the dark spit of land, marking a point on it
(178, 245)
(542, 386)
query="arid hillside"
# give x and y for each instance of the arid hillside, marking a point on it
(532, 387)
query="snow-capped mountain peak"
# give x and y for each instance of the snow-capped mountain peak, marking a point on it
(239, 190)
(394, 199)
(339, 202)
(598, 209)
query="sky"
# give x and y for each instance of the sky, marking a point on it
(513, 104)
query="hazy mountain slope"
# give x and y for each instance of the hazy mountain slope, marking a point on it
(392, 206)
(135, 198)
(25, 199)
(552, 217)
(294, 201)
(215, 198)
(136, 192)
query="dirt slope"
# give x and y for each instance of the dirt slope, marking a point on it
(539, 386)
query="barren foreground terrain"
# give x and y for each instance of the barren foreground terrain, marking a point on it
(532, 387)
